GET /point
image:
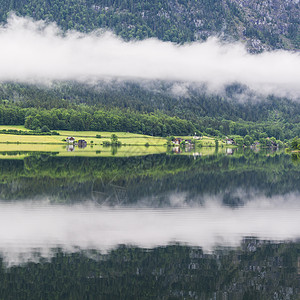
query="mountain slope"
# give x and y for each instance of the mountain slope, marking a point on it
(271, 24)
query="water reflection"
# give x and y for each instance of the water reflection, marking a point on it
(132, 180)
(257, 270)
(43, 226)
(224, 226)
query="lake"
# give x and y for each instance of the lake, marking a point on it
(220, 224)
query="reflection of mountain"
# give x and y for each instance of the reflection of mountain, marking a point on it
(108, 193)
(258, 270)
(152, 178)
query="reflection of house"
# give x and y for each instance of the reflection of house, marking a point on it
(82, 143)
(229, 151)
(70, 139)
(70, 148)
(195, 154)
(176, 150)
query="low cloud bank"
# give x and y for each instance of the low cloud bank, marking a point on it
(35, 52)
(27, 227)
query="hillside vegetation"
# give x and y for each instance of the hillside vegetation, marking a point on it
(131, 108)
(263, 25)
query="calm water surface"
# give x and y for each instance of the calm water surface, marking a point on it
(151, 227)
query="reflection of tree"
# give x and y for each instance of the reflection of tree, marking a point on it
(114, 149)
(257, 270)
(108, 193)
(296, 157)
(71, 178)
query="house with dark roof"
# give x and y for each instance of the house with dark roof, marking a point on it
(81, 143)
(70, 139)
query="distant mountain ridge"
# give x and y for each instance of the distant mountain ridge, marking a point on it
(262, 25)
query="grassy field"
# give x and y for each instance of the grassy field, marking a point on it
(132, 144)
(205, 141)
(31, 139)
(20, 146)
(13, 127)
(102, 133)
(90, 136)
(124, 137)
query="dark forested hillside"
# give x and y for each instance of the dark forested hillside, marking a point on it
(264, 25)
(129, 107)
(153, 97)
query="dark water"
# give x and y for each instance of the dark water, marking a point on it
(153, 227)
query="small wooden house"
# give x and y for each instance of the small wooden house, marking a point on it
(82, 143)
(230, 141)
(70, 139)
(177, 141)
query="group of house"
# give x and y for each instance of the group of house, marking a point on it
(180, 141)
(80, 143)
(270, 143)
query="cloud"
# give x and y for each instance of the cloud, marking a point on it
(27, 228)
(39, 52)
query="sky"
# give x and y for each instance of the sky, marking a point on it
(36, 52)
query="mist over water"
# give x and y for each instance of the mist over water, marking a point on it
(29, 228)
(37, 52)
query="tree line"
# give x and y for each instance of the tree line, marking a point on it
(86, 118)
(210, 114)
(83, 117)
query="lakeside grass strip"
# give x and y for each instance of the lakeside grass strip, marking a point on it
(126, 138)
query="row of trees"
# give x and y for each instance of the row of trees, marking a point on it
(82, 117)
(211, 114)
(263, 141)
(112, 120)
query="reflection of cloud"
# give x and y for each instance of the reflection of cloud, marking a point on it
(35, 52)
(25, 227)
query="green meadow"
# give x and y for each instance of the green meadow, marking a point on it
(90, 136)
(133, 144)
(125, 138)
